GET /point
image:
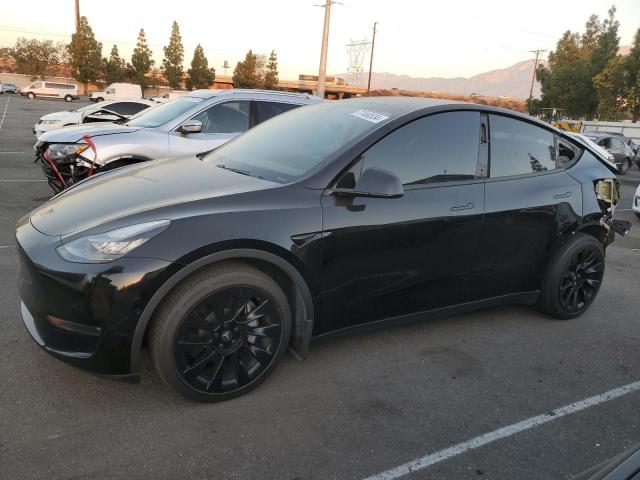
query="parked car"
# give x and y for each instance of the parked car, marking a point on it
(629, 141)
(166, 97)
(636, 202)
(596, 148)
(329, 218)
(200, 121)
(66, 91)
(8, 88)
(622, 152)
(118, 91)
(108, 111)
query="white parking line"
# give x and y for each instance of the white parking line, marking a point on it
(4, 113)
(24, 153)
(486, 438)
(6, 246)
(23, 180)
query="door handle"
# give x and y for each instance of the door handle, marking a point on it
(468, 206)
(562, 195)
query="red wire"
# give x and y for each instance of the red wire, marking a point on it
(87, 139)
(53, 166)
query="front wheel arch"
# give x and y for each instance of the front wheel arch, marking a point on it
(302, 301)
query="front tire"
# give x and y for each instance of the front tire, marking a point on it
(573, 278)
(99, 99)
(31, 95)
(220, 333)
(68, 98)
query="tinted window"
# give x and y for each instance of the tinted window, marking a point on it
(163, 113)
(566, 152)
(266, 110)
(228, 117)
(518, 147)
(432, 149)
(126, 108)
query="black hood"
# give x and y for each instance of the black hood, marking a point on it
(131, 190)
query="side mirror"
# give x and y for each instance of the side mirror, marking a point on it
(190, 126)
(376, 183)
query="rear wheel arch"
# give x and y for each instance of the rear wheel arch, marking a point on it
(283, 272)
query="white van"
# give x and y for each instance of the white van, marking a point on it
(118, 91)
(68, 91)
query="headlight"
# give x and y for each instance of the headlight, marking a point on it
(49, 122)
(109, 246)
(57, 151)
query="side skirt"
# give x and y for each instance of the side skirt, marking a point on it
(526, 298)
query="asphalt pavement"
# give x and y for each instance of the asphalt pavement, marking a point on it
(359, 406)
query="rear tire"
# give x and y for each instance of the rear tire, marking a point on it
(573, 278)
(638, 215)
(220, 332)
(99, 99)
(68, 98)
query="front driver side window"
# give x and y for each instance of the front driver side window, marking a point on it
(227, 117)
(438, 148)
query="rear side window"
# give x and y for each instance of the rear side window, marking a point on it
(441, 147)
(519, 148)
(616, 145)
(266, 110)
(127, 108)
(228, 117)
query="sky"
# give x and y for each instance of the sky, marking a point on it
(419, 38)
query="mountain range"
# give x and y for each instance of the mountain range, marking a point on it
(513, 81)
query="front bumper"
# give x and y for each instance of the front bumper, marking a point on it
(84, 314)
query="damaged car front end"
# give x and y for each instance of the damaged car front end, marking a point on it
(65, 164)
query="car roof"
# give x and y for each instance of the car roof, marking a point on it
(213, 92)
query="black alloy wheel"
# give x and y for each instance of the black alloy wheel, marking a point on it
(228, 340)
(573, 277)
(221, 332)
(581, 280)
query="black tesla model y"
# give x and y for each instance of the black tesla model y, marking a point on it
(327, 218)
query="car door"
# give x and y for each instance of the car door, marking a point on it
(619, 152)
(220, 123)
(530, 201)
(387, 257)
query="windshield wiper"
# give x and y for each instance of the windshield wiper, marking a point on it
(241, 172)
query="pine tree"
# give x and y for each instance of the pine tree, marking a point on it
(85, 54)
(200, 75)
(141, 60)
(114, 67)
(173, 57)
(246, 74)
(271, 75)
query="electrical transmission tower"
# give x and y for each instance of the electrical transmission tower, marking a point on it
(535, 67)
(357, 50)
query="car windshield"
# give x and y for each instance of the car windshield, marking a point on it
(154, 117)
(288, 146)
(86, 108)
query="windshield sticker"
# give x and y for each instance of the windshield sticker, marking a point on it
(372, 117)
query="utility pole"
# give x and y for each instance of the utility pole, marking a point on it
(322, 74)
(77, 15)
(535, 67)
(373, 45)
